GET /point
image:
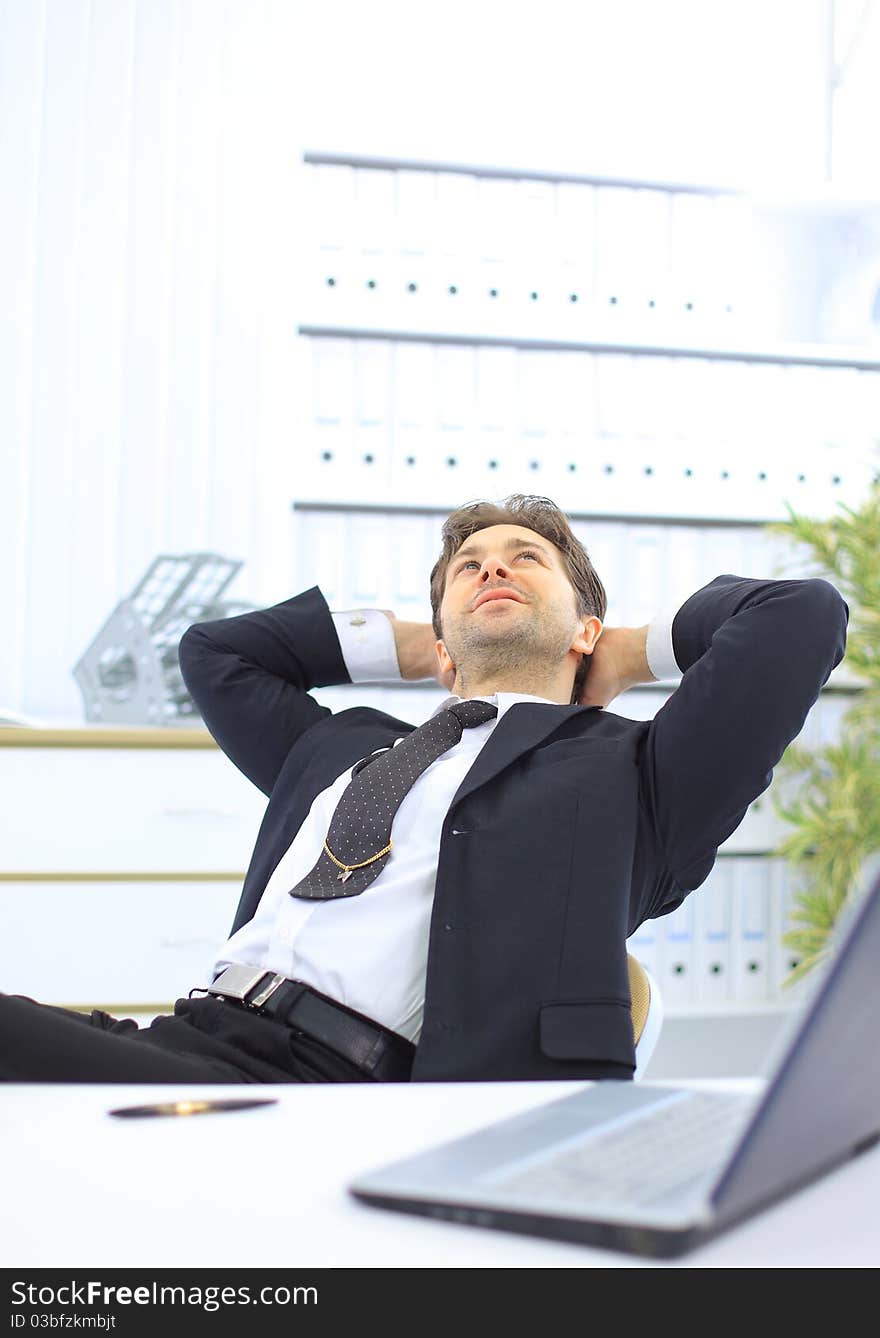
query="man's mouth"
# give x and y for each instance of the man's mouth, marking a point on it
(499, 593)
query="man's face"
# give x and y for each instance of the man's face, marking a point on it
(508, 604)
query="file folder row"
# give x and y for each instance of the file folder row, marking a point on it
(723, 948)
(395, 422)
(461, 251)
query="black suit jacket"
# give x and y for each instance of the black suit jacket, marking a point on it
(572, 826)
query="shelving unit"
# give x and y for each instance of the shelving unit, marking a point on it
(664, 359)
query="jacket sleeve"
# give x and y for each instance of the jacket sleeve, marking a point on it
(754, 656)
(250, 677)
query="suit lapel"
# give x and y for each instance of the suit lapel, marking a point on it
(524, 726)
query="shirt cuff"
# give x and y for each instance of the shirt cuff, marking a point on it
(658, 647)
(366, 640)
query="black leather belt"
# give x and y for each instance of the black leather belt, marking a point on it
(383, 1054)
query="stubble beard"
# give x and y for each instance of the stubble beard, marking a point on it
(527, 646)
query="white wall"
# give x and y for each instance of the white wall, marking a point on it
(149, 225)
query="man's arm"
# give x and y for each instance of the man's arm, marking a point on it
(754, 656)
(250, 677)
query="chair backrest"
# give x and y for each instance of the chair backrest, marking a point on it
(647, 1012)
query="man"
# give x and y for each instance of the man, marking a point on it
(452, 902)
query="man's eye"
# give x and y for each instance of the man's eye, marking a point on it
(472, 562)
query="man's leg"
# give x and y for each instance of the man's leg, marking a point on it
(206, 1041)
(41, 1043)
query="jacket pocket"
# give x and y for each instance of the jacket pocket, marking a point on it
(598, 1029)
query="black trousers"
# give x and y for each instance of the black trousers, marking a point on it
(207, 1040)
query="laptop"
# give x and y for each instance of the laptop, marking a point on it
(655, 1169)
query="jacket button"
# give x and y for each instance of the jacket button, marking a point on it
(459, 831)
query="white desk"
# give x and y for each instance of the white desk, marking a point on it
(266, 1188)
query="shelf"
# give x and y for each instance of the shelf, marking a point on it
(315, 158)
(797, 354)
(105, 736)
(821, 196)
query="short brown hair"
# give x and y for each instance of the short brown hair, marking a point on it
(545, 518)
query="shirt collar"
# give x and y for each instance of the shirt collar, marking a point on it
(503, 700)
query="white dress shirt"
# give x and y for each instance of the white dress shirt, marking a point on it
(370, 951)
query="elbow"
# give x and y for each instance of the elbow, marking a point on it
(831, 614)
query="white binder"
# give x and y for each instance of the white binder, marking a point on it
(648, 282)
(375, 300)
(533, 260)
(752, 982)
(677, 978)
(786, 881)
(714, 978)
(692, 258)
(410, 555)
(497, 201)
(532, 440)
(805, 390)
(578, 424)
(370, 477)
(685, 570)
(416, 299)
(451, 468)
(330, 277)
(606, 543)
(456, 270)
(496, 398)
(730, 317)
(367, 571)
(846, 467)
(617, 239)
(693, 472)
(563, 372)
(614, 403)
(739, 408)
(646, 566)
(414, 418)
(320, 540)
(332, 425)
(575, 281)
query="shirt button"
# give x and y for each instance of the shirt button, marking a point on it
(284, 935)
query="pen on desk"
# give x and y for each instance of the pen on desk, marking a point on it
(199, 1106)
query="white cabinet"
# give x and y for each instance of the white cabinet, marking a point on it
(122, 862)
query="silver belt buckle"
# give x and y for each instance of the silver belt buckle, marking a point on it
(236, 982)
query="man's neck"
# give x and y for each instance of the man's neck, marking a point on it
(490, 692)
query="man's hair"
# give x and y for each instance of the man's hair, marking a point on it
(545, 518)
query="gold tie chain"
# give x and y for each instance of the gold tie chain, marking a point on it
(342, 877)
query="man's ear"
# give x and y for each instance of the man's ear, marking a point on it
(585, 640)
(446, 664)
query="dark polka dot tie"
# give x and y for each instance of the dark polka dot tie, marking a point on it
(358, 844)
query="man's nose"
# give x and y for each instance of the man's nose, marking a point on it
(496, 565)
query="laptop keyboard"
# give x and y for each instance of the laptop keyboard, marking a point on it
(637, 1162)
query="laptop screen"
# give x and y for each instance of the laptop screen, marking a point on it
(822, 1102)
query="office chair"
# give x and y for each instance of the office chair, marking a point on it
(647, 1013)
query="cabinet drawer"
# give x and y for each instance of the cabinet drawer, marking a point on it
(123, 810)
(111, 943)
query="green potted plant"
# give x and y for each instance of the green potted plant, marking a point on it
(831, 795)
